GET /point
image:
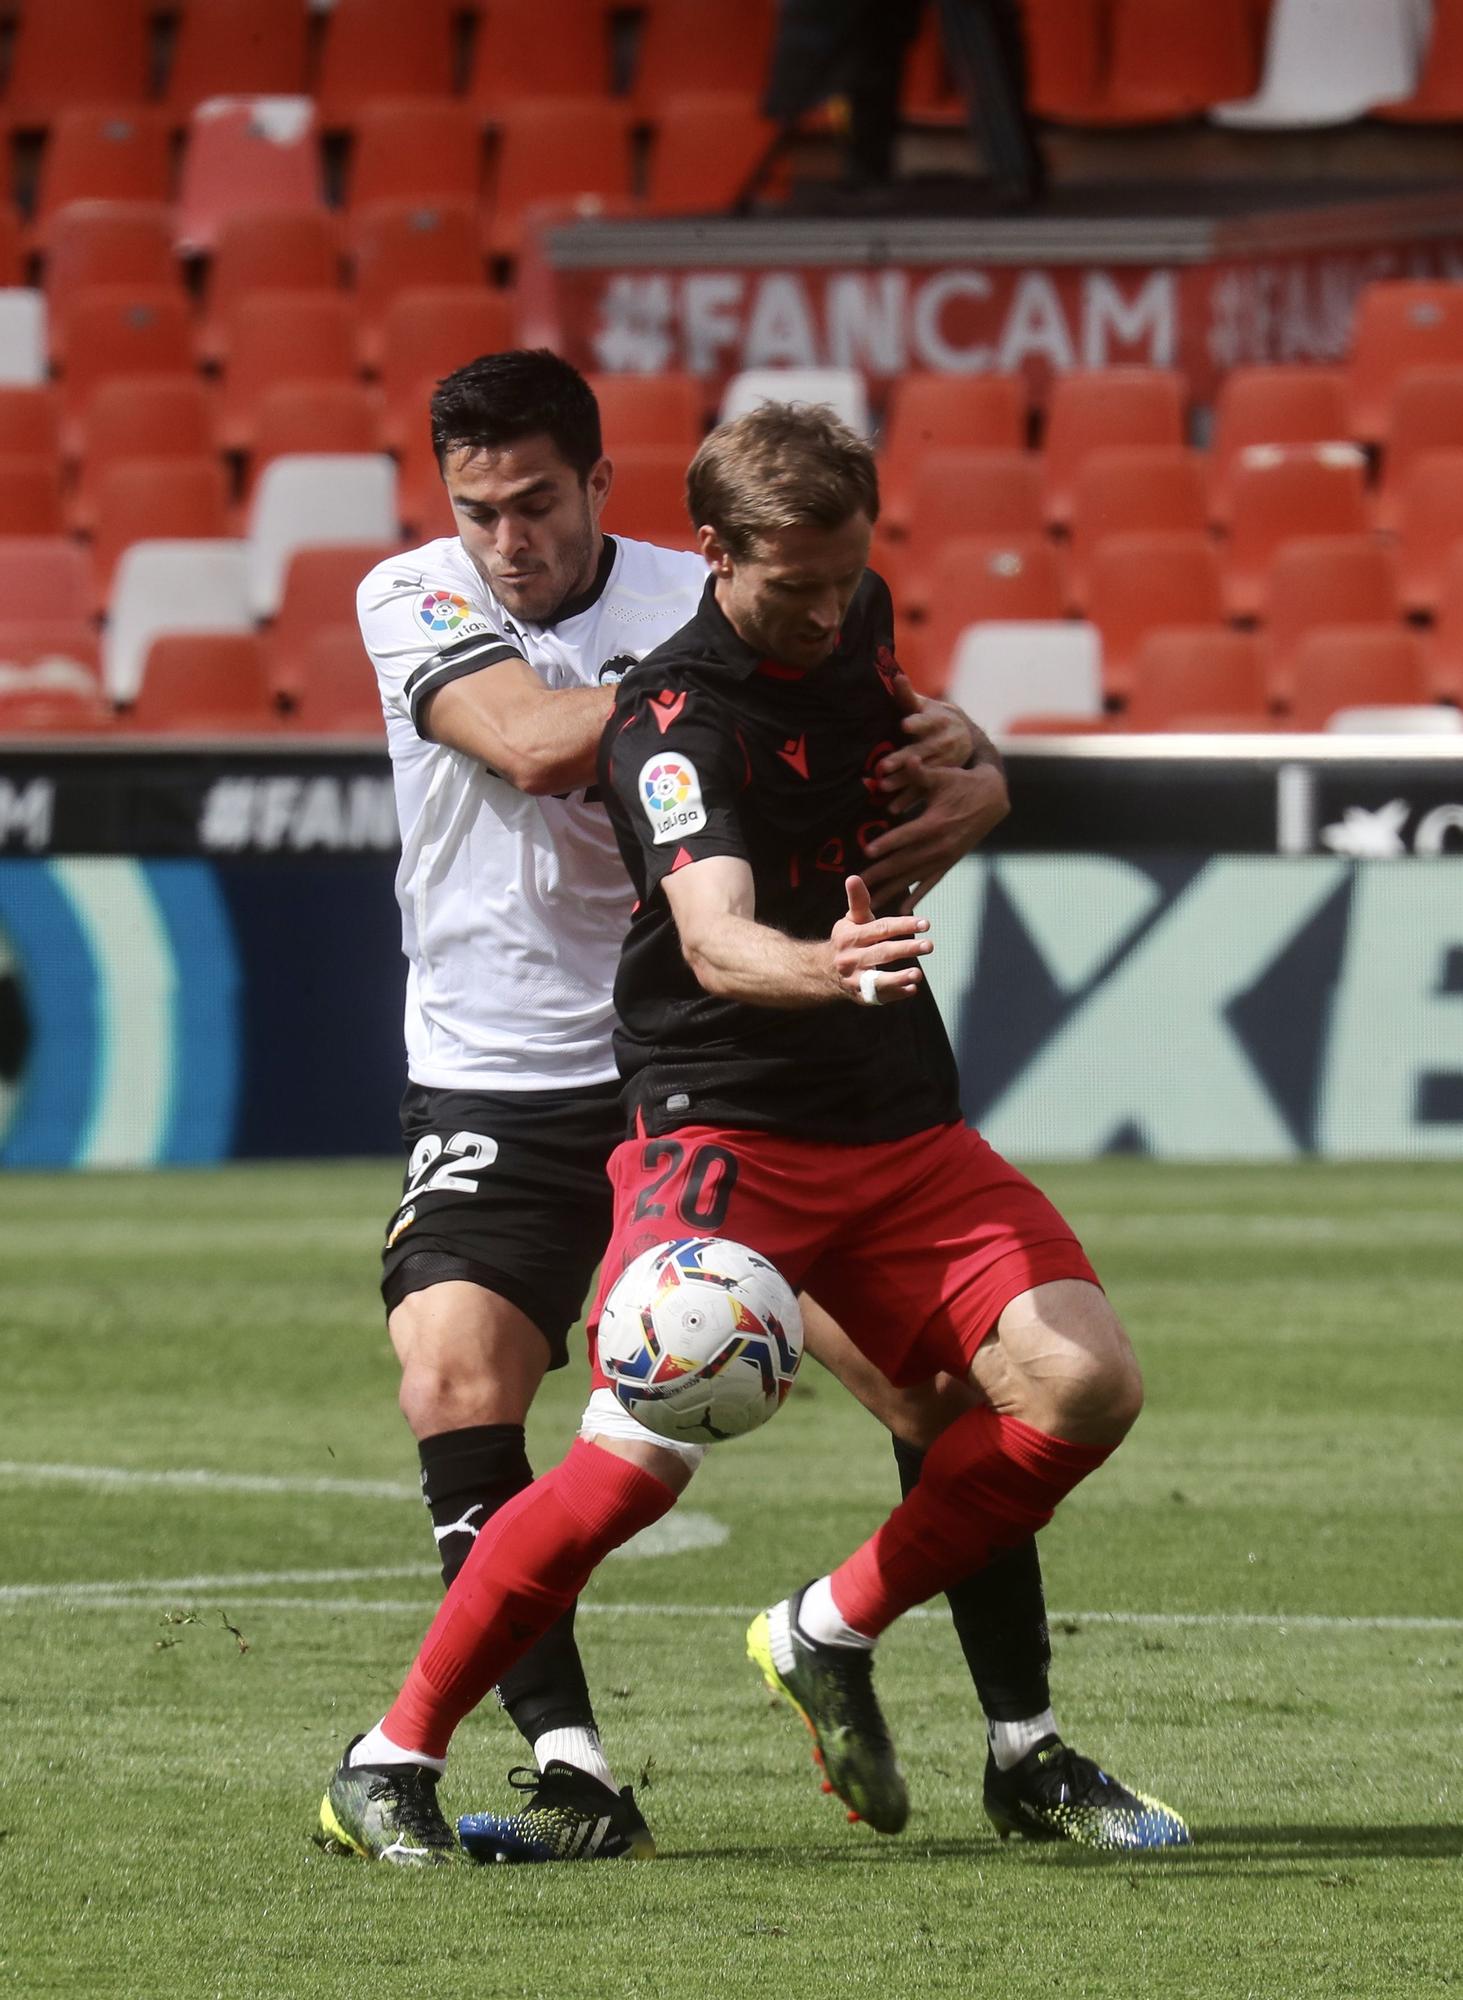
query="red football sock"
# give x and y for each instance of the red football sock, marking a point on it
(527, 1566)
(986, 1484)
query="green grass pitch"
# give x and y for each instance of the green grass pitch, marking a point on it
(1257, 1614)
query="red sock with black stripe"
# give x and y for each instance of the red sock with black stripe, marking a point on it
(986, 1484)
(526, 1567)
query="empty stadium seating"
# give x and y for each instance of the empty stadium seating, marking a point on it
(1429, 525)
(370, 52)
(1138, 583)
(246, 152)
(1132, 489)
(399, 246)
(949, 413)
(1353, 666)
(172, 586)
(204, 684)
(155, 499)
(1335, 580)
(1400, 325)
(1183, 674)
(1279, 492)
(72, 52)
(238, 48)
(103, 152)
(309, 500)
(1009, 672)
(139, 416)
(513, 57)
(640, 410)
(1092, 408)
(545, 158)
(259, 250)
(843, 389)
(417, 149)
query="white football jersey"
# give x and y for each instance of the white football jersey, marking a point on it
(512, 907)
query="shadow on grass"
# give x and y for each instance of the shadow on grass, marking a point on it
(1229, 1850)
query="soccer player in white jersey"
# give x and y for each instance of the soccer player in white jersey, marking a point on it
(497, 652)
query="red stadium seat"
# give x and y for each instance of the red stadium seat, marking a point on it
(703, 153)
(1185, 672)
(1271, 406)
(234, 48)
(30, 495)
(695, 46)
(30, 423)
(1445, 653)
(246, 153)
(104, 153)
(1429, 525)
(1438, 98)
(978, 578)
(52, 711)
(1090, 408)
(1407, 324)
(320, 596)
(421, 498)
(544, 157)
(398, 246)
(139, 416)
(1427, 416)
(514, 58)
(371, 52)
(73, 52)
(278, 337)
(948, 413)
(314, 416)
(121, 330)
(155, 499)
(105, 243)
(204, 684)
(417, 149)
(640, 410)
(1335, 580)
(963, 493)
(1065, 57)
(1354, 666)
(66, 650)
(337, 692)
(1171, 59)
(1279, 493)
(1139, 583)
(290, 250)
(1133, 489)
(647, 502)
(45, 577)
(12, 263)
(429, 332)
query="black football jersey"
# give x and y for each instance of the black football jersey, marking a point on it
(713, 750)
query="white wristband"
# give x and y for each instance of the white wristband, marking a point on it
(868, 989)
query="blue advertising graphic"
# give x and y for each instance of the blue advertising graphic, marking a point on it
(168, 1012)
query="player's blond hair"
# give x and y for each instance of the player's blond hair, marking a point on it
(782, 465)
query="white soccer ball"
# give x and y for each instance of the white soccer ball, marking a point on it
(701, 1339)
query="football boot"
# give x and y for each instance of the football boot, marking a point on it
(567, 1816)
(832, 1689)
(1056, 1794)
(386, 1812)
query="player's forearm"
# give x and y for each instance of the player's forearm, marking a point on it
(540, 739)
(740, 959)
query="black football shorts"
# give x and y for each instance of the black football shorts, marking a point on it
(506, 1189)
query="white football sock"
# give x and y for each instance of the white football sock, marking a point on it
(579, 1747)
(820, 1619)
(1010, 1741)
(376, 1747)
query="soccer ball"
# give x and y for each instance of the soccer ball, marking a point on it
(701, 1339)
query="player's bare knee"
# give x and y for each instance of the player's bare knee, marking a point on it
(1097, 1402)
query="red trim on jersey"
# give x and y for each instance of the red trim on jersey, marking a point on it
(775, 670)
(682, 860)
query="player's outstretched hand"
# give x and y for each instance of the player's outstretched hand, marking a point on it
(866, 947)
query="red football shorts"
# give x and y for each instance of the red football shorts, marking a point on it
(914, 1246)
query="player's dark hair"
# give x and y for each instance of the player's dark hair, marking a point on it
(523, 392)
(783, 465)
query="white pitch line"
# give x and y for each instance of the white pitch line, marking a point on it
(146, 1593)
(201, 1479)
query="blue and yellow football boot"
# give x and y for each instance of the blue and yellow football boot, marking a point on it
(569, 1816)
(1056, 1794)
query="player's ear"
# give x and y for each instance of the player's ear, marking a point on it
(714, 551)
(597, 486)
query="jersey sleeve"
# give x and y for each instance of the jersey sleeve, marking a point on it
(673, 772)
(421, 633)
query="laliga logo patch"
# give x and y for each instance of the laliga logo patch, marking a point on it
(443, 611)
(671, 793)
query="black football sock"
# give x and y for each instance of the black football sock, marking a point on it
(467, 1476)
(1000, 1620)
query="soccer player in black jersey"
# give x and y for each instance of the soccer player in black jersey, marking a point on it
(786, 1064)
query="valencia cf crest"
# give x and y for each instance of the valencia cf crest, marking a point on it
(614, 671)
